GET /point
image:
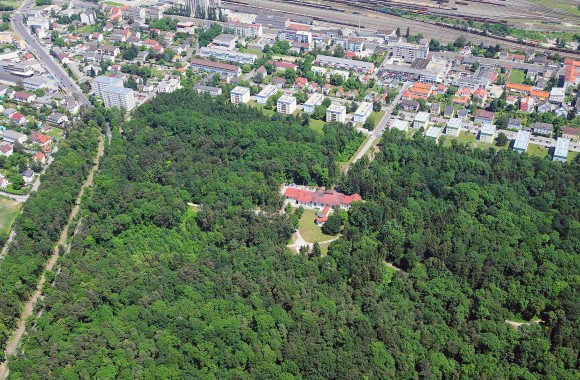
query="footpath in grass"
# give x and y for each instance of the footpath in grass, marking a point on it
(9, 210)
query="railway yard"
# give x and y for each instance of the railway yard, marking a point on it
(370, 14)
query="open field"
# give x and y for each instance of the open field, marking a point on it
(9, 210)
(517, 76)
(309, 230)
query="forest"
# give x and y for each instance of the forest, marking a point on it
(181, 269)
(42, 219)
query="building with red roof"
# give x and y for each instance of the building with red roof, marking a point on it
(318, 198)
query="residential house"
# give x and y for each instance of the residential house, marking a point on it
(562, 110)
(453, 127)
(23, 97)
(435, 109)
(570, 133)
(27, 176)
(18, 118)
(421, 120)
(41, 139)
(543, 128)
(557, 94)
(545, 107)
(484, 117)
(449, 111)
(433, 134)
(514, 124)
(522, 141)
(527, 104)
(213, 91)
(462, 113)
(57, 118)
(40, 157)
(561, 150)
(409, 105)
(278, 82)
(6, 149)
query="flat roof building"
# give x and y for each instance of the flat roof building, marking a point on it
(240, 95)
(336, 112)
(433, 134)
(101, 82)
(401, 125)
(561, 150)
(487, 133)
(226, 41)
(363, 112)
(286, 104)
(313, 101)
(215, 67)
(118, 97)
(453, 127)
(522, 141)
(265, 93)
(213, 91)
(228, 55)
(345, 64)
(421, 120)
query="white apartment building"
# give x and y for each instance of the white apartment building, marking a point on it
(487, 134)
(228, 55)
(102, 82)
(118, 97)
(286, 104)
(561, 150)
(453, 127)
(240, 95)
(336, 112)
(522, 141)
(362, 112)
(244, 30)
(313, 101)
(409, 51)
(266, 92)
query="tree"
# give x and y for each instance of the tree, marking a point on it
(408, 32)
(332, 225)
(377, 106)
(460, 42)
(398, 32)
(339, 52)
(501, 139)
(369, 123)
(316, 251)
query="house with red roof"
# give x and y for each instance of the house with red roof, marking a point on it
(41, 139)
(6, 149)
(282, 65)
(23, 97)
(301, 83)
(313, 198)
(18, 118)
(480, 94)
(40, 157)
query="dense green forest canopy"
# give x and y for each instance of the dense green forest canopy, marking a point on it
(155, 289)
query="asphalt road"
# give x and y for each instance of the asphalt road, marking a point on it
(66, 83)
(381, 127)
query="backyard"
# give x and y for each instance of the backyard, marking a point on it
(517, 76)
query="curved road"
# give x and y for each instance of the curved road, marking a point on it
(67, 84)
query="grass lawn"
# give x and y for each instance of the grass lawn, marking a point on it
(87, 29)
(537, 150)
(259, 106)
(113, 4)
(571, 156)
(55, 133)
(259, 53)
(377, 116)
(309, 230)
(9, 210)
(317, 124)
(569, 6)
(23, 191)
(517, 76)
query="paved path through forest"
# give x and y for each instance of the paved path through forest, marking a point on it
(14, 340)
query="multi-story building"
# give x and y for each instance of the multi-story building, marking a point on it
(265, 93)
(215, 67)
(522, 141)
(213, 91)
(118, 97)
(240, 95)
(362, 112)
(487, 133)
(286, 104)
(453, 127)
(228, 55)
(102, 82)
(355, 44)
(226, 41)
(409, 51)
(561, 150)
(244, 30)
(336, 112)
(16, 68)
(346, 64)
(313, 101)
(300, 36)
(433, 134)
(421, 120)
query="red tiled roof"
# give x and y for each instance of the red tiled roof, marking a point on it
(39, 156)
(5, 148)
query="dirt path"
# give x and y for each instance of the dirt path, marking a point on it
(519, 324)
(298, 241)
(14, 340)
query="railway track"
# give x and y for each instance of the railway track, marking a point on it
(353, 16)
